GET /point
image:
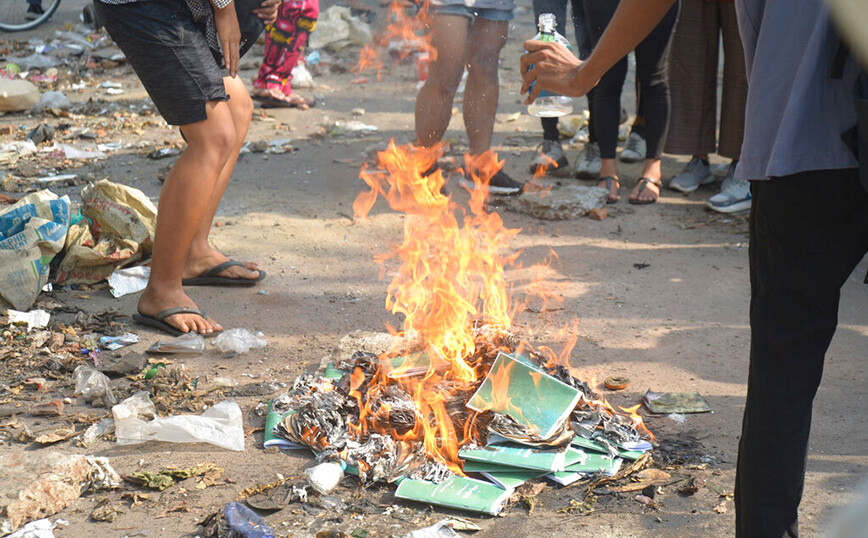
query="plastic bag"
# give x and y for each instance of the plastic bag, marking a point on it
(129, 280)
(301, 77)
(246, 522)
(187, 344)
(136, 422)
(324, 477)
(17, 95)
(240, 340)
(118, 231)
(35, 319)
(31, 232)
(52, 100)
(92, 385)
(441, 529)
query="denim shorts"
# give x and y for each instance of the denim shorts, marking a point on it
(170, 55)
(491, 14)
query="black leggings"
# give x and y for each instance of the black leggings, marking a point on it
(583, 39)
(652, 63)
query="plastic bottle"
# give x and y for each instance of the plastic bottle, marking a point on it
(550, 105)
(246, 522)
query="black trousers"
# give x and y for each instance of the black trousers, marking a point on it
(652, 61)
(808, 232)
(583, 40)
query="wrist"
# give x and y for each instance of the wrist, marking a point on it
(590, 70)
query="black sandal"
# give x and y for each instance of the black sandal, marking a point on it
(158, 322)
(609, 180)
(643, 182)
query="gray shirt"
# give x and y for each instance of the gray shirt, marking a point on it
(795, 112)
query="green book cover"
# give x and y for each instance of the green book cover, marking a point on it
(511, 479)
(333, 373)
(456, 492)
(272, 418)
(408, 365)
(596, 463)
(589, 444)
(524, 457)
(533, 398)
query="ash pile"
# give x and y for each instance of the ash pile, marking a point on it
(460, 442)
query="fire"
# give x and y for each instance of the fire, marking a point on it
(449, 285)
(403, 36)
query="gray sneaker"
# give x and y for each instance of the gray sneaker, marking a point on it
(551, 159)
(634, 149)
(590, 163)
(696, 173)
(734, 195)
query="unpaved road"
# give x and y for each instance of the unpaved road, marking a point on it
(678, 324)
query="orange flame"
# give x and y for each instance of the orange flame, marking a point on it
(403, 36)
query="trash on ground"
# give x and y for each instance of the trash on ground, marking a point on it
(116, 342)
(441, 529)
(17, 95)
(456, 492)
(51, 101)
(38, 484)
(209, 472)
(675, 402)
(136, 421)
(41, 133)
(616, 383)
(35, 319)
(189, 343)
(129, 280)
(97, 431)
(94, 386)
(245, 522)
(32, 232)
(324, 477)
(239, 340)
(120, 365)
(118, 230)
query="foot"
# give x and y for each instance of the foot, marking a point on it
(293, 100)
(34, 11)
(612, 185)
(646, 191)
(634, 149)
(734, 195)
(550, 160)
(590, 164)
(696, 173)
(153, 302)
(500, 184)
(212, 258)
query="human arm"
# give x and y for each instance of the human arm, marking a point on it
(556, 69)
(267, 11)
(228, 33)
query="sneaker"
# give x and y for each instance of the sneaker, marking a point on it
(34, 12)
(500, 184)
(551, 159)
(634, 149)
(590, 163)
(734, 195)
(696, 173)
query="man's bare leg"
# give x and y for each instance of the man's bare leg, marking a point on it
(203, 256)
(486, 39)
(184, 203)
(434, 101)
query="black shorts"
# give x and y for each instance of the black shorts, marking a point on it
(170, 55)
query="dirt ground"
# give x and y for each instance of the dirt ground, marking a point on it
(661, 293)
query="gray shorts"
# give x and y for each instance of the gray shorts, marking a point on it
(170, 55)
(492, 10)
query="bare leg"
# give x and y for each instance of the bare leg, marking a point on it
(486, 39)
(202, 256)
(184, 204)
(434, 101)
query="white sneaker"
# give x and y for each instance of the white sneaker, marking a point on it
(634, 149)
(734, 195)
(590, 164)
(695, 173)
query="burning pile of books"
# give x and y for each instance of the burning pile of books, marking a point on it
(465, 445)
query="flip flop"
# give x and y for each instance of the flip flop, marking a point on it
(271, 102)
(158, 321)
(212, 277)
(609, 180)
(643, 182)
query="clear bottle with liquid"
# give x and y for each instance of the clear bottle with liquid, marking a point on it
(550, 105)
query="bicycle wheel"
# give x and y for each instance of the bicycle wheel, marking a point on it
(18, 15)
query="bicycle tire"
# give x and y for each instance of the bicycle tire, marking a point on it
(10, 23)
